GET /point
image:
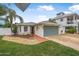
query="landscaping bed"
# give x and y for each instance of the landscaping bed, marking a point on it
(47, 48)
(22, 39)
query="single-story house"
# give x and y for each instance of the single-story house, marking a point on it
(42, 29)
(25, 28)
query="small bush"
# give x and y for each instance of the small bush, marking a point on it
(14, 30)
(7, 25)
(71, 30)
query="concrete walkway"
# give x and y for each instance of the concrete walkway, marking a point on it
(67, 40)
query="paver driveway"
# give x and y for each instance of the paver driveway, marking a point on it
(70, 40)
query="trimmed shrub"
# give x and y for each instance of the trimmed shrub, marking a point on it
(71, 30)
(14, 29)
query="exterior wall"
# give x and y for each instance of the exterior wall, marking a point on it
(78, 27)
(63, 24)
(5, 31)
(22, 32)
(61, 30)
(39, 30)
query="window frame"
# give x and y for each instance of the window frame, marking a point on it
(25, 28)
(61, 19)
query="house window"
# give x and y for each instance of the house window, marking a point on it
(25, 28)
(77, 17)
(61, 19)
(70, 20)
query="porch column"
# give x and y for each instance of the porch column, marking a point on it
(77, 29)
(73, 17)
(22, 29)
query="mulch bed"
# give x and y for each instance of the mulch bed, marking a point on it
(25, 39)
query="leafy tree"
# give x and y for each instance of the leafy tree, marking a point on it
(3, 10)
(12, 16)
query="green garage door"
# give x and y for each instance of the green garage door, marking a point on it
(50, 30)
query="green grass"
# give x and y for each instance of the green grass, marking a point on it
(44, 49)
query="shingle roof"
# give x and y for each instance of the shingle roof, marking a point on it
(27, 24)
(48, 23)
(43, 22)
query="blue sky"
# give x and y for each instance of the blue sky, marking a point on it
(37, 12)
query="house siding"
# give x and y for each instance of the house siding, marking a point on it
(62, 23)
(22, 32)
(39, 30)
(61, 30)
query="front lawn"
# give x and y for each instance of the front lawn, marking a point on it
(44, 49)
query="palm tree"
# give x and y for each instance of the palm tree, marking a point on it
(20, 18)
(12, 16)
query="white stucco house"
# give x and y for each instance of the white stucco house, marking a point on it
(42, 29)
(66, 20)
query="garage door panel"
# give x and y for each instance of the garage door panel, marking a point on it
(50, 30)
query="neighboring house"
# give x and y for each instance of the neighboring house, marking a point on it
(42, 29)
(2, 22)
(4, 31)
(66, 20)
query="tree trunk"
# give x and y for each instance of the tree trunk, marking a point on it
(11, 28)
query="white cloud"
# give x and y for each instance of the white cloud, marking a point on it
(46, 8)
(40, 18)
(74, 8)
(16, 21)
(36, 19)
(67, 12)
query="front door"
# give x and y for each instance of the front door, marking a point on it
(32, 30)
